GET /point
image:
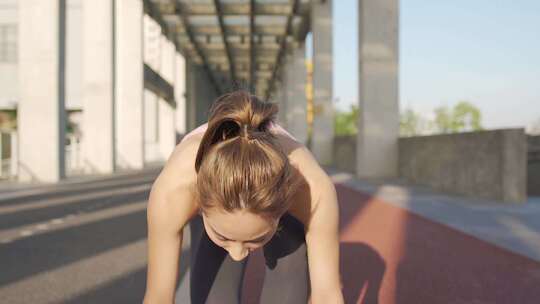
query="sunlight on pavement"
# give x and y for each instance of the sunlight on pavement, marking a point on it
(70, 220)
(83, 275)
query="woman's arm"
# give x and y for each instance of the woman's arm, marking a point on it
(322, 239)
(164, 243)
(170, 207)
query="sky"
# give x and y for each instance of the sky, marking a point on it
(486, 52)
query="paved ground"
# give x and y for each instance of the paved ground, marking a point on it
(85, 242)
(75, 242)
(513, 226)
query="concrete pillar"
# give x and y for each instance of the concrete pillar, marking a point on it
(98, 86)
(283, 93)
(14, 154)
(191, 96)
(180, 80)
(167, 135)
(279, 99)
(151, 144)
(167, 123)
(296, 114)
(129, 84)
(41, 110)
(201, 95)
(377, 141)
(323, 120)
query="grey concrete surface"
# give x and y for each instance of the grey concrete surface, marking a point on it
(200, 95)
(98, 87)
(323, 108)
(533, 166)
(378, 57)
(513, 227)
(129, 85)
(180, 93)
(76, 242)
(41, 69)
(295, 109)
(345, 153)
(485, 164)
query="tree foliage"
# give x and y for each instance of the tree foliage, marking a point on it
(463, 117)
(409, 123)
(345, 122)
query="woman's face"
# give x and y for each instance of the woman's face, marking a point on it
(238, 232)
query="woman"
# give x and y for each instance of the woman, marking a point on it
(248, 184)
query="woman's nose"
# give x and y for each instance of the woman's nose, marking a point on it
(238, 253)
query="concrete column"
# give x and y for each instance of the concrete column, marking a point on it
(296, 114)
(377, 141)
(323, 120)
(151, 144)
(129, 84)
(98, 86)
(180, 81)
(201, 95)
(167, 123)
(283, 93)
(190, 96)
(167, 135)
(279, 100)
(13, 167)
(41, 110)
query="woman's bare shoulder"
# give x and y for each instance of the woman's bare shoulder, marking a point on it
(172, 191)
(312, 175)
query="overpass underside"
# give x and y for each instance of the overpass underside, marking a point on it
(150, 70)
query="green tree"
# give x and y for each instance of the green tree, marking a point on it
(466, 117)
(443, 119)
(463, 117)
(409, 123)
(345, 122)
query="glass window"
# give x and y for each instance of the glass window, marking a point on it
(8, 43)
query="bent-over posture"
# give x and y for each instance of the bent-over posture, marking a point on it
(241, 182)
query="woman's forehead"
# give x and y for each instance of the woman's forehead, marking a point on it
(239, 224)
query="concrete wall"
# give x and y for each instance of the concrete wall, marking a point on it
(9, 93)
(487, 164)
(345, 153)
(533, 166)
(9, 84)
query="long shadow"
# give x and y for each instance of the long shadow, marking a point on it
(25, 217)
(78, 189)
(362, 268)
(48, 251)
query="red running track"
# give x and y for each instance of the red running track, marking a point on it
(389, 255)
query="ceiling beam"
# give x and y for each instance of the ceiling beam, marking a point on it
(188, 31)
(219, 12)
(152, 10)
(239, 9)
(282, 49)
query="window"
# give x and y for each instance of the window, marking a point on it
(8, 43)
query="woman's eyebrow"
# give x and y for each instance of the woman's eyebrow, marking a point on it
(253, 240)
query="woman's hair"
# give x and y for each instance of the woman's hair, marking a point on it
(239, 164)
